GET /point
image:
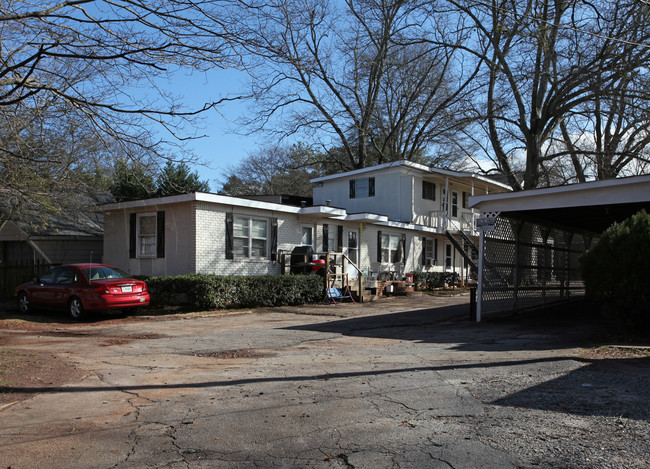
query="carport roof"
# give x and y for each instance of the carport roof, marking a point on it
(591, 206)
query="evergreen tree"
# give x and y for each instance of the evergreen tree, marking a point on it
(178, 179)
(132, 181)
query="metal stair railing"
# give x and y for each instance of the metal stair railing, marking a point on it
(462, 251)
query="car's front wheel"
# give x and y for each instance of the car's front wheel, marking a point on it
(23, 303)
(75, 308)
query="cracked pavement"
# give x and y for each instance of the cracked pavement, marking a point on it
(398, 384)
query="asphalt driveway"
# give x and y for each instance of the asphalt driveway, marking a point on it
(397, 383)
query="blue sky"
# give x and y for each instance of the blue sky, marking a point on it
(222, 147)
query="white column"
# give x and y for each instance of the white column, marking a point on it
(479, 292)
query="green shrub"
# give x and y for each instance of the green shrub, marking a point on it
(217, 291)
(433, 280)
(615, 272)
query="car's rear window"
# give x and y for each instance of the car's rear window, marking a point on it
(103, 272)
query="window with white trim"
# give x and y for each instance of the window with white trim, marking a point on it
(146, 235)
(428, 190)
(361, 188)
(390, 248)
(307, 236)
(430, 254)
(250, 237)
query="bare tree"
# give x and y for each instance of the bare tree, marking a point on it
(543, 60)
(97, 64)
(371, 79)
(609, 135)
(275, 170)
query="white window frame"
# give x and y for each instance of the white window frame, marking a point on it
(388, 254)
(425, 193)
(140, 236)
(311, 235)
(362, 188)
(430, 254)
(250, 238)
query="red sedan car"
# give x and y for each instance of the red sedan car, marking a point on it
(82, 287)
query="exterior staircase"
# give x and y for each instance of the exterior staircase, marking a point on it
(465, 246)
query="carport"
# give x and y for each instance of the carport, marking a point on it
(531, 241)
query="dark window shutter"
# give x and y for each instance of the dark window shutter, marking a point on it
(274, 239)
(339, 241)
(403, 249)
(325, 237)
(371, 187)
(132, 235)
(160, 234)
(379, 246)
(229, 235)
(424, 251)
(352, 191)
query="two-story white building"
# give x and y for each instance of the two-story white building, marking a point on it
(398, 217)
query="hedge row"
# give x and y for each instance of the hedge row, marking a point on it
(615, 272)
(432, 280)
(218, 291)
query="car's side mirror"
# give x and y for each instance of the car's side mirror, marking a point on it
(36, 280)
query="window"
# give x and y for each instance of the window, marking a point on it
(146, 235)
(329, 238)
(249, 237)
(465, 199)
(428, 190)
(430, 255)
(48, 277)
(390, 248)
(360, 188)
(66, 276)
(306, 238)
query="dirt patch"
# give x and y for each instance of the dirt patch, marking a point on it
(614, 352)
(24, 372)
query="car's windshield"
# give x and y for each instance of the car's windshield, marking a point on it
(103, 272)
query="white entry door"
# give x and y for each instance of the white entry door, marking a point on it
(353, 252)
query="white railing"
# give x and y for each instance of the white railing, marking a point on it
(466, 221)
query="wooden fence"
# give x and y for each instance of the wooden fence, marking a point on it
(13, 275)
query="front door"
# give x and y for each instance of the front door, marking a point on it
(449, 257)
(353, 252)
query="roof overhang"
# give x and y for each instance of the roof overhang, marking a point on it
(409, 165)
(591, 206)
(364, 217)
(201, 197)
(321, 211)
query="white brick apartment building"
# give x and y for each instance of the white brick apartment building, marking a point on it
(396, 217)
